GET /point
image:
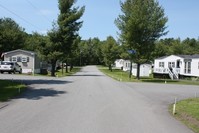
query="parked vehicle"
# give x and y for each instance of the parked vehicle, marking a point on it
(10, 67)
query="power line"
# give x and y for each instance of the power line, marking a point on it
(35, 8)
(19, 17)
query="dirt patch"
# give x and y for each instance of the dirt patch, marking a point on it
(188, 119)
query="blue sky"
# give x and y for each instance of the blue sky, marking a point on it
(99, 16)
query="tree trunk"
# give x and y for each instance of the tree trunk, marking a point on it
(138, 71)
(53, 63)
(130, 73)
(71, 67)
(110, 68)
(66, 67)
(62, 69)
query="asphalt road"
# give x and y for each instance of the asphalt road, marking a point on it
(90, 102)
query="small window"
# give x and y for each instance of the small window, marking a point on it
(14, 59)
(24, 59)
(161, 64)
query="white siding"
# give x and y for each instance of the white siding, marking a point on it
(119, 63)
(181, 69)
(145, 70)
(194, 68)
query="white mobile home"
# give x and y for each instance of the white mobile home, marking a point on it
(177, 66)
(145, 69)
(119, 63)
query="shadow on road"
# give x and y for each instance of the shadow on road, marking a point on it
(43, 81)
(34, 93)
(87, 75)
(37, 94)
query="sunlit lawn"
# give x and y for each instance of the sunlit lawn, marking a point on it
(187, 111)
(9, 89)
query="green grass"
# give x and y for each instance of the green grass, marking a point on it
(187, 111)
(116, 74)
(124, 76)
(9, 89)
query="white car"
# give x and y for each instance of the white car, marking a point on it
(10, 67)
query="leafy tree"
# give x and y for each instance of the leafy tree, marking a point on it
(53, 50)
(110, 51)
(33, 41)
(12, 36)
(49, 47)
(90, 51)
(191, 46)
(141, 24)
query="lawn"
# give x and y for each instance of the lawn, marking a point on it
(187, 111)
(9, 89)
(116, 74)
(124, 76)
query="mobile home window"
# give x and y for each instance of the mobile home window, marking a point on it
(161, 64)
(187, 67)
(24, 59)
(14, 59)
(171, 64)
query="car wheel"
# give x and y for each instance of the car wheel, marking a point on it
(9, 72)
(20, 71)
(1, 71)
(14, 71)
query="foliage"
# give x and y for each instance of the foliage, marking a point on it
(171, 46)
(90, 51)
(110, 51)
(141, 24)
(68, 24)
(34, 41)
(12, 36)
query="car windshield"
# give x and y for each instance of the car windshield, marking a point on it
(6, 63)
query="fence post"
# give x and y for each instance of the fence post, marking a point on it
(174, 107)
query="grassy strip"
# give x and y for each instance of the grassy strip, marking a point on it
(10, 89)
(187, 111)
(124, 76)
(116, 74)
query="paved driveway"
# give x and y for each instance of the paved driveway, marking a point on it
(90, 102)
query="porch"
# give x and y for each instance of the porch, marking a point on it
(172, 72)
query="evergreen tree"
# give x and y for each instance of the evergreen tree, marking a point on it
(141, 24)
(69, 24)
